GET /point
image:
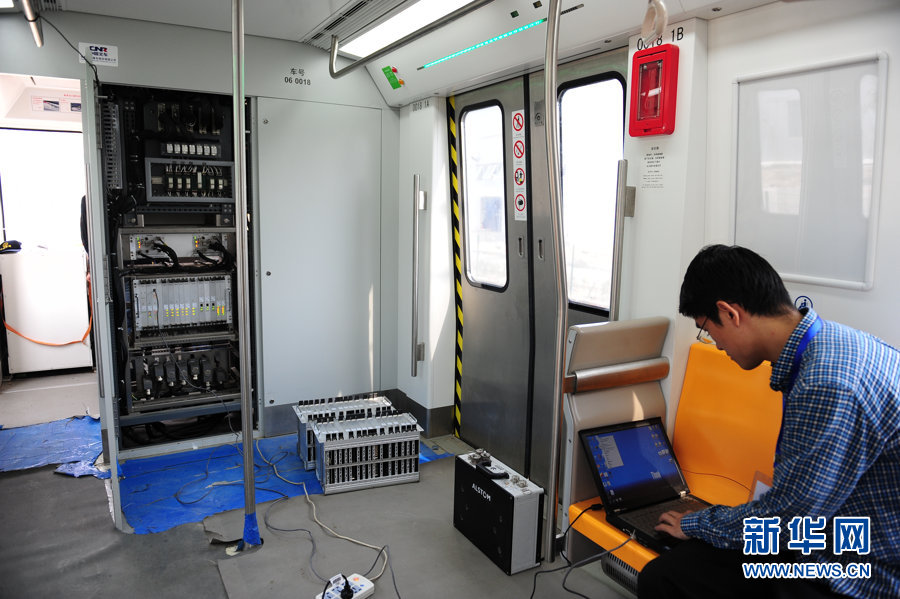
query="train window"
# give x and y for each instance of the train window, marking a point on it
(591, 144)
(484, 215)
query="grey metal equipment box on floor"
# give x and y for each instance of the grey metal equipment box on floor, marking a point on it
(498, 510)
(366, 452)
(332, 409)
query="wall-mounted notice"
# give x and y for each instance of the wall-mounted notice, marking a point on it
(66, 102)
(652, 168)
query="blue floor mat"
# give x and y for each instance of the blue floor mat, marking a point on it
(428, 454)
(161, 492)
(74, 443)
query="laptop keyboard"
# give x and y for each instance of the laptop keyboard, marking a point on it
(646, 518)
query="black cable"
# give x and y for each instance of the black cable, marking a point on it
(391, 567)
(172, 254)
(584, 562)
(147, 256)
(227, 258)
(591, 508)
(206, 258)
(312, 539)
(77, 51)
(589, 560)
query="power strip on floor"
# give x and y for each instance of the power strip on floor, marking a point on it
(360, 585)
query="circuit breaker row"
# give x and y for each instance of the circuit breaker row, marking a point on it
(330, 410)
(189, 180)
(207, 150)
(162, 303)
(368, 452)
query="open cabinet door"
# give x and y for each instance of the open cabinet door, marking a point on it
(101, 302)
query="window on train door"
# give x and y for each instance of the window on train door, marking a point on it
(484, 214)
(592, 117)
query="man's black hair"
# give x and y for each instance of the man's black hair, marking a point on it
(735, 275)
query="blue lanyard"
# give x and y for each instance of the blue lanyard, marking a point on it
(811, 332)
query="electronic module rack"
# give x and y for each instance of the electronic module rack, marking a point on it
(358, 442)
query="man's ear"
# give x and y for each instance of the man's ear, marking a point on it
(732, 313)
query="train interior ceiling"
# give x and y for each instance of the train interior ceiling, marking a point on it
(386, 231)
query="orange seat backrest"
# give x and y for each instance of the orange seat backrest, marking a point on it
(726, 425)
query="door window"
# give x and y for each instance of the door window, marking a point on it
(591, 144)
(484, 213)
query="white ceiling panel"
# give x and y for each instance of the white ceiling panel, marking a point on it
(589, 26)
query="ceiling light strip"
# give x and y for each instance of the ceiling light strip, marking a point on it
(482, 44)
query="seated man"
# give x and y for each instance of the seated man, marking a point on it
(837, 459)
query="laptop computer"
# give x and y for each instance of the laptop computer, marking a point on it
(638, 478)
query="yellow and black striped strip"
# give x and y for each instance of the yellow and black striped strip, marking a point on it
(457, 259)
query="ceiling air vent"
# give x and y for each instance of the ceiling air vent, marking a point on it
(351, 19)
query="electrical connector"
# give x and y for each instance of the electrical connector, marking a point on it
(347, 591)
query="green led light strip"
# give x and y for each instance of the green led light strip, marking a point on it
(482, 44)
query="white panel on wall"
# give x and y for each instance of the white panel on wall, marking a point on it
(320, 254)
(808, 170)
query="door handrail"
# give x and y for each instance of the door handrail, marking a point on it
(446, 19)
(622, 191)
(417, 351)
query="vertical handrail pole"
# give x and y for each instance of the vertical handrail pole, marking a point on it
(414, 366)
(251, 528)
(552, 132)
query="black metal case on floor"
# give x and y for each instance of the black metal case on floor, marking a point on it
(498, 510)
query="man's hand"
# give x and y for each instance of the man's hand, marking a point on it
(670, 523)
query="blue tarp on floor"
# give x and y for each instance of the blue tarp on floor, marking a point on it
(161, 492)
(73, 442)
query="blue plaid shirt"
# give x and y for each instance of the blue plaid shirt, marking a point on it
(839, 453)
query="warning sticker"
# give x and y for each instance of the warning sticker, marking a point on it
(519, 172)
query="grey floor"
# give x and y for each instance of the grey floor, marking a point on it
(59, 539)
(26, 400)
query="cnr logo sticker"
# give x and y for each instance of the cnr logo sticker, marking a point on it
(99, 54)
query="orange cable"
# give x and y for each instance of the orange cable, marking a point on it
(86, 333)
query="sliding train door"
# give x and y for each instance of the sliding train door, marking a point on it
(591, 96)
(507, 287)
(494, 411)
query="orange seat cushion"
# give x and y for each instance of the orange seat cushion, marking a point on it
(726, 426)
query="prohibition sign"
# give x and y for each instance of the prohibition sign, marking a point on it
(519, 148)
(520, 202)
(518, 121)
(519, 176)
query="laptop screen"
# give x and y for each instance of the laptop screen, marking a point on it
(633, 464)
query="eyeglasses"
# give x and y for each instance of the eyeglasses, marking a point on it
(700, 333)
